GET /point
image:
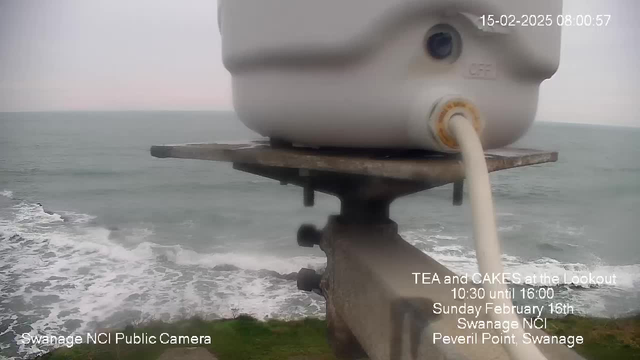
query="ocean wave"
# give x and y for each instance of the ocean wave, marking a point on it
(76, 218)
(588, 299)
(71, 271)
(245, 261)
(73, 277)
(7, 194)
(507, 228)
(508, 191)
(425, 236)
(462, 260)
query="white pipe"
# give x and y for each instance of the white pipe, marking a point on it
(488, 250)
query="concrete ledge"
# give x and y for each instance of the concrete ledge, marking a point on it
(370, 290)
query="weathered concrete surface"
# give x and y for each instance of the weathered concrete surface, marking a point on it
(404, 165)
(187, 353)
(372, 297)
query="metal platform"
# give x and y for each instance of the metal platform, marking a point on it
(366, 181)
(374, 309)
(420, 166)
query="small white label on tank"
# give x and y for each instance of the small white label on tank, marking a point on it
(481, 70)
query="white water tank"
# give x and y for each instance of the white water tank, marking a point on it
(388, 73)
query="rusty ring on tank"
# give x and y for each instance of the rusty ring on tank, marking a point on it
(447, 108)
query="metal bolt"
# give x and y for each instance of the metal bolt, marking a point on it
(309, 196)
(458, 188)
(308, 235)
(308, 280)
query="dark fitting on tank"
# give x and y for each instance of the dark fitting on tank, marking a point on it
(440, 45)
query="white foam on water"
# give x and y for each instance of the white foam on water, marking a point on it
(63, 268)
(65, 271)
(507, 228)
(76, 218)
(588, 299)
(246, 261)
(7, 194)
(573, 231)
(462, 260)
(422, 236)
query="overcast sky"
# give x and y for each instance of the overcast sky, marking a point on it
(165, 55)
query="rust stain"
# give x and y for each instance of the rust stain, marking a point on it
(427, 167)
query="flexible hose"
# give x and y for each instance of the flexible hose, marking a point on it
(485, 232)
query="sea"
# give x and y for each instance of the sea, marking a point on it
(97, 234)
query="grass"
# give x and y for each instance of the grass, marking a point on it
(243, 338)
(603, 338)
(246, 338)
